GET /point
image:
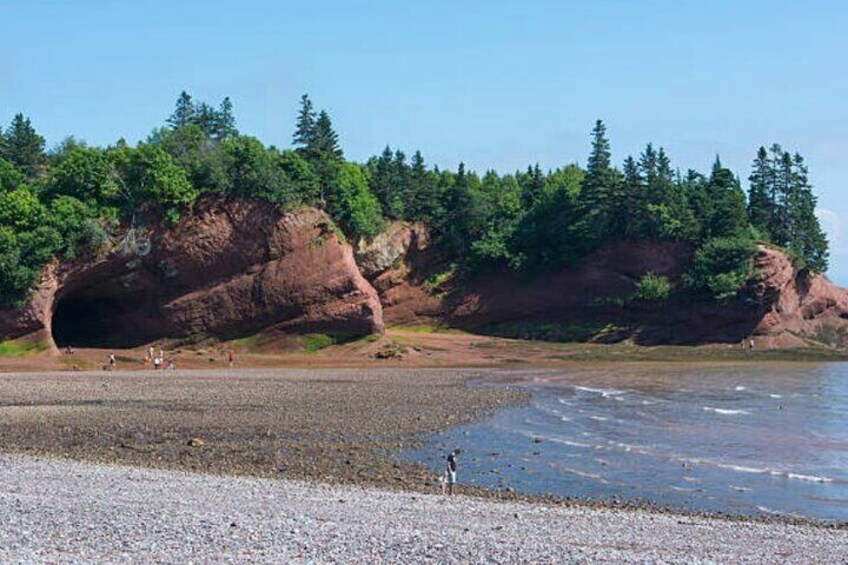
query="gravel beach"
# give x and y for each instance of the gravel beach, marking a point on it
(58, 511)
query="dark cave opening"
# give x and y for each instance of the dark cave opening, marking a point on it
(86, 319)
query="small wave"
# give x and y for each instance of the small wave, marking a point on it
(580, 473)
(767, 510)
(725, 411)
(681, 489)
(599, 418)
(564, 419)
(762, 471)
(775, 396)
(604, 392)
(740, 387)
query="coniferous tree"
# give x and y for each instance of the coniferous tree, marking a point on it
(184, 112)
(599, 185)
(532, 187)
(808, 239)
(400, 185)
(325, 143)
(23, 147)
(304, 133)
(424, 204)
(760, 203)
(380, 179)
(206, 118)
(634, 200)
(326, 157)
(728, 216)
(224, 124)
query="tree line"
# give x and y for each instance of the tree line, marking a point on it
(70, 201)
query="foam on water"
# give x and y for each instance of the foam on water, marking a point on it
(603, 392)
(725, 411)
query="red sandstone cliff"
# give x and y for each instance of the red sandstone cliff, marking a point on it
(779, 306)
(228, 269)
(235, 268)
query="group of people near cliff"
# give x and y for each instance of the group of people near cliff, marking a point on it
(158, 359)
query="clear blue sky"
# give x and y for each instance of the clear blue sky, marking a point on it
(496, 84)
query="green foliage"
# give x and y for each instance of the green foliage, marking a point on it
(86, 174)
(152, 176)
(781, 203)
(312, 343)
(217, 124)
(23, 147)
(10, 177)
(652, 288)
(437, 282)
(66, 202)
(354, 204)
(21, 209)
(198, 155)
(720, 267)
(19, 349)
(255, 171)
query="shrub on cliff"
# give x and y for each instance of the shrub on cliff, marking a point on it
(652, 288)
(355, 205)
(720, 266)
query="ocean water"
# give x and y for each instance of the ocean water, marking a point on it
(751, 440)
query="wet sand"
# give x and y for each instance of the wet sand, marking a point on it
(329, 425)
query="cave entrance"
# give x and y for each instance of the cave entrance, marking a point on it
(93, 317)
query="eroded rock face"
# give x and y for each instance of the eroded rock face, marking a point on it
(228, 269)
(235, 268)
(780, 306)
(397, 263)
(799, 307)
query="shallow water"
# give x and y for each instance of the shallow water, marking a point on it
(742, 440)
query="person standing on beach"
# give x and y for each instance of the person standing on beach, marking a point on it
(112, 361)
(450, 470)
(231, 356)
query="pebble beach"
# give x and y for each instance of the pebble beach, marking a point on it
(63, 512)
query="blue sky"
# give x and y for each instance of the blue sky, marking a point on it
(495, 84)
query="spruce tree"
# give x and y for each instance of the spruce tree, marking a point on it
(184, 111)
(23, 147)
(760, 204)
(304, 133)
(808, 239)
(400, 186)
(598, 187)
(380, 178)
(728, 216)
(424, 190)
(325, 141)
(532, 187)
(634, 200)
(224, 125)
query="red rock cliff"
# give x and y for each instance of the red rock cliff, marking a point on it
(228, 269)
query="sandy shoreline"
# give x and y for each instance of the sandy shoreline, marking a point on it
(72, 512)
